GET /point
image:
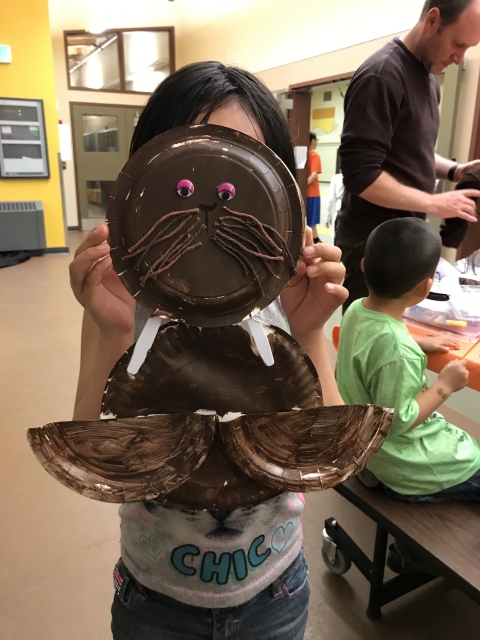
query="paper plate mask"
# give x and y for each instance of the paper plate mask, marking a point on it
(206, 227)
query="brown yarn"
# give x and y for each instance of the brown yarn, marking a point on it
(160, 237)
(248, 241)
(176, 251)
(253, 221)
(242, 246)
(247, 227)
(247, 265)
(162, 219)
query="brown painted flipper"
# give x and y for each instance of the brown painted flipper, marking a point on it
(306, 450)
(124, 460)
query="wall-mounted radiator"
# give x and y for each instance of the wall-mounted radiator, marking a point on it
(22, 226)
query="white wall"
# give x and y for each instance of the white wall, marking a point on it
(263, 34)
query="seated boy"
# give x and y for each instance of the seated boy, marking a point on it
(424, 458)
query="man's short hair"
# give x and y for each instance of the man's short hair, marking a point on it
(450, 10)
(313, 136)
(399, 255)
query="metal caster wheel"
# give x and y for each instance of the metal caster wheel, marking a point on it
(335, 559)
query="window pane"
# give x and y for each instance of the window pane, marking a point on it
(93, 60)
(98, 192)
(147, 59)
(100, 133)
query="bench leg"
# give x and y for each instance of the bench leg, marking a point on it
(378, 569)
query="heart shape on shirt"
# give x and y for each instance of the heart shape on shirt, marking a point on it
(152, 544)
(281, 536)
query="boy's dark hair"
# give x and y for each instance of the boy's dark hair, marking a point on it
(202, 88)
(313, 136)
(400, 254)
(450, 10)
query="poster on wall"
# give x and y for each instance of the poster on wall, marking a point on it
(23, 144)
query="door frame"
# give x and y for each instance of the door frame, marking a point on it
(299, 129)
(74, 144)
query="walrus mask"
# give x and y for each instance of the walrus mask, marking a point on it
(210, 409)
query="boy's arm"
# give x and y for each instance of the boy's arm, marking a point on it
(397, 385)
(452, 378)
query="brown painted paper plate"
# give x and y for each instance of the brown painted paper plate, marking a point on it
(306, 450)
(206, 225)
(125, 460)
(190, 368)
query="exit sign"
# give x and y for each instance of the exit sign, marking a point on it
(5, 53)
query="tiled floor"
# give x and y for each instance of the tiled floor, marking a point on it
(57, 549)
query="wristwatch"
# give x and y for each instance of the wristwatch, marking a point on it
(451, 172)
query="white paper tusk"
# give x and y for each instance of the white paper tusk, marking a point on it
(144, 344)
(259, 336)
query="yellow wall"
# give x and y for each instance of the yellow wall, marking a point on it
(26, 29)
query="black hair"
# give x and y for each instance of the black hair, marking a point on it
(201, 88)
(450, 10)
(313, 136)
(399, 255)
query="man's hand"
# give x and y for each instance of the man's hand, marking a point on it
(462, 169)
(454, 204)
(432, 344)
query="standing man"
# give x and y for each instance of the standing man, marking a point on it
(313, 189)
(391, 125)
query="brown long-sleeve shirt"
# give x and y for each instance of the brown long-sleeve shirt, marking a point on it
(391, 124)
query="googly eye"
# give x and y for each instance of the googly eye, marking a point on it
(185, 188)
(226, 191)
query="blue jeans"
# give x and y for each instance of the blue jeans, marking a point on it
(468, 491)
(277, 613)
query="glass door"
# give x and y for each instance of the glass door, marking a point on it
(102, 141)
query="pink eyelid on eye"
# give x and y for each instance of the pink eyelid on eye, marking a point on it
(186, 184)
(226, 186)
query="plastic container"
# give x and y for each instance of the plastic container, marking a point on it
(459, 314)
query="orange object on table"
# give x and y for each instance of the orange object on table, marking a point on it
(436, 361)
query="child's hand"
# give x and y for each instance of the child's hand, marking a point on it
(98, 288)
(454, 376)
(316, 291)
(431, 344)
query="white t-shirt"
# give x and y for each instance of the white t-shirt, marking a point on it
(211, 560)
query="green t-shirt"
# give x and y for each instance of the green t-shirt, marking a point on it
(379, 363)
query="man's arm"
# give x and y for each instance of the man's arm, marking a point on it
(443, 166)
(372, 111)
(388, 192)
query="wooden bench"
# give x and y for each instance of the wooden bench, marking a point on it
(444, 536)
